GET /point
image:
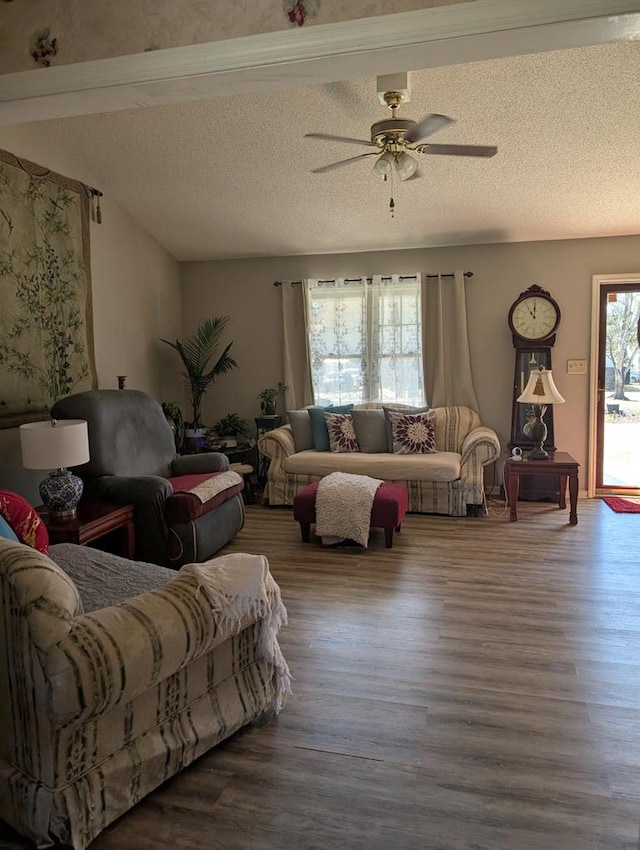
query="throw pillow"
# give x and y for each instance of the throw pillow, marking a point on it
(342, 437)
(301, 428)
(6, 531)
(24, 520)
(413, 433)
(319, 426)
(390, 408)
(371, 430)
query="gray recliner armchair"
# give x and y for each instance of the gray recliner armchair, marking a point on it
(182, 514)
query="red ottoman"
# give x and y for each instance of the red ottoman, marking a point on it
(388, 509)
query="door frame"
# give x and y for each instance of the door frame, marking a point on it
(598, 281)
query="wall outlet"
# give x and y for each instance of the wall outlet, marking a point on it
(576, 367)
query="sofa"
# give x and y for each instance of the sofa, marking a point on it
(114, 675)
(186, 507)
(448, 480)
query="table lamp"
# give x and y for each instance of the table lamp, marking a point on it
(56, 444)
(539, 392)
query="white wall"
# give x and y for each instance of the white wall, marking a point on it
(243, 289)
(135, 293)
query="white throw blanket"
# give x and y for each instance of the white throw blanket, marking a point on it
(343, 507)
(240, 586)
(216, 484)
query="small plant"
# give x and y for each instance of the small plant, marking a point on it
(231, 425)
(173, 415)
(269, 397)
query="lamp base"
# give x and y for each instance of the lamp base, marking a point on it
(536, 430)
(60, 492)
(538, 453)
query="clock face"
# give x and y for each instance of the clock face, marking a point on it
(534, 318)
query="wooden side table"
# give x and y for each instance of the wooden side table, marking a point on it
(94, 518)
(246, 470)
(559, 463)
(245, 453)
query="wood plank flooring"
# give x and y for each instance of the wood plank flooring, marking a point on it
(476, 687)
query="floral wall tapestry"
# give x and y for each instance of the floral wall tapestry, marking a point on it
(46, 334)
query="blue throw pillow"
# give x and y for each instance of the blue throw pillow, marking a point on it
(319, 426)
(7, 531)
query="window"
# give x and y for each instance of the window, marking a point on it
(365, 339)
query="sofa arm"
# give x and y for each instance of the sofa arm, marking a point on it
(135, 490)
(148, 494)
(480, 447)
(483, 444)
(111, 656)
(205, 462)
(277, 445)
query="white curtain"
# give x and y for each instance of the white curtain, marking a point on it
(445, 343)
(365, 339)
(296, 370)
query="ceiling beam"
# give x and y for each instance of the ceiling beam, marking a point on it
(444, 35)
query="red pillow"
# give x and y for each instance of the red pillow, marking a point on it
(24, 520)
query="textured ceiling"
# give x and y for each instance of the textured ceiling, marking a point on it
(231, 177)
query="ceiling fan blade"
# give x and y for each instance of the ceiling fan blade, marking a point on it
(327, 138)
(459, 150)
(342, 162)
(429, 124)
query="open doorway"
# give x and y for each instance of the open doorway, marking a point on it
(615, 396)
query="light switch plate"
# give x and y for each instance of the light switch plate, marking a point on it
(576, 367)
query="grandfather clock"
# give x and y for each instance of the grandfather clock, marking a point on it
(533, 319)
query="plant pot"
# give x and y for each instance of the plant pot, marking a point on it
(194, 439)
(269, 408)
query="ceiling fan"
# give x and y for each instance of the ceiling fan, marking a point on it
(394, 137)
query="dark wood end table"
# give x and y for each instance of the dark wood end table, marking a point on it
(94, 518)
(559, 463)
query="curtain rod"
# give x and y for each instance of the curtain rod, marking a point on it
(448, 274)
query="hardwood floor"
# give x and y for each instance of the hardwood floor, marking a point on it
(476, 687)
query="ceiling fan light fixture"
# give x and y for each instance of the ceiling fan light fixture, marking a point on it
(406, 165)
(383, 165)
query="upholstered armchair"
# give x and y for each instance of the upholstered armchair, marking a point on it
(186, 508)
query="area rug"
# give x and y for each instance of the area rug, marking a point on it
(622, 506)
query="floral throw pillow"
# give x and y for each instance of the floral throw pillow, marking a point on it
(413, 433)
(24, 520)
(342, 436)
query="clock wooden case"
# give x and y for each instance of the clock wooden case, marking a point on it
(528, 360)
(533, 319)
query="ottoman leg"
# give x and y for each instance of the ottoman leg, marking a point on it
(388, 537)
(305, 531)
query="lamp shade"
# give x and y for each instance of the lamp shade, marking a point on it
(406, 166)
(383, 165)
(54, 444)
(540, 389)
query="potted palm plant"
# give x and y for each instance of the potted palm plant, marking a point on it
(202, 365)
(268, 398)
